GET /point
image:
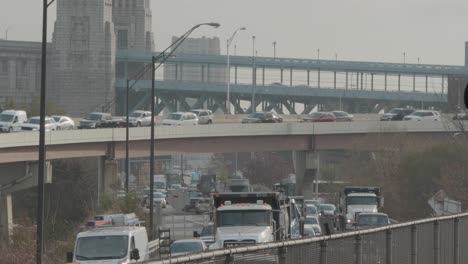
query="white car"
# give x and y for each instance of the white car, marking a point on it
(139, 118)
(204, 116)
(64, 122)
(180, 119)
(311, 223)
(423, 115)
(187, 246)
(33, 123)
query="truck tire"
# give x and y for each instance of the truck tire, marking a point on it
(10, 130)
(138, 124)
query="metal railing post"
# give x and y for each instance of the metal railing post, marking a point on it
(436, 242)
(282, 251)
(323, 252)
(229, 259)
(358, 249)
(414, 245)
(389, 236)
(456, 241)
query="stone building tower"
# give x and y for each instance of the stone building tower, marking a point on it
(84, 56)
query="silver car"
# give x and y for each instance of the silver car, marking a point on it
(33, 123)
(64, 122)
(204, 116)
(139, 118)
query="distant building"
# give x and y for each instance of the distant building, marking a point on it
(81, 58)
(196, 72)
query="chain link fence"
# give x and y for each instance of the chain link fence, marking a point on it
(439, 240)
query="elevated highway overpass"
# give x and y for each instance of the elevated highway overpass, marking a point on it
(110, 143)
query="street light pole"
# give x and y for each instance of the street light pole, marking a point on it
(127, 159)
(254, 76)
(6, 33)
(318, 54)
(41, 167)
(153, 68)
(228, 69)
(404, 57)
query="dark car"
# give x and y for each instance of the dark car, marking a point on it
(396, 114)
(342, 116)
(369, 220)
(100, 120)
(320, 117)
(263, 117)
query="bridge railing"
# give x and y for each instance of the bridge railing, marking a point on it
(440, 240)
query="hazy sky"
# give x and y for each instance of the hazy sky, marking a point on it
(369, 30)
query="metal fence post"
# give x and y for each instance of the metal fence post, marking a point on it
(389, 236)
(456, 241)
(358, 249)
(229, 259)
(414, 244)
(282, 251)
(323, 252)
(436, 242)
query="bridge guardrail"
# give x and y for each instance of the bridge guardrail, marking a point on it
(438, 240)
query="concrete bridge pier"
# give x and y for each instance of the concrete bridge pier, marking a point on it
(307, 169)
(107, 180)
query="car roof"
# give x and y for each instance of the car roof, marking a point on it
(383, 214)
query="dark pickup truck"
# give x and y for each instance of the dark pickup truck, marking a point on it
(100, 120)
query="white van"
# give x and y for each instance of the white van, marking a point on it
(181, 119)
(11, 120)
(112, 245)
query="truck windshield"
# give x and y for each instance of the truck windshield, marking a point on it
(361, 200)
(101, 247)
(159, 185)
(373, 220)
(136, 114)
(93, 117)
(6, 118)
(243, 218)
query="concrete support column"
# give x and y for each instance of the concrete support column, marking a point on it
(426, 83)
(399, 82)
(346, 80)
(357, 80)
(263, 76)
(235, 74)
(385, 82)
(372, 82)
(318, 80)
(414, 82)
(334, 80)
(307, 169)
(308, 77)
(176, 77)
(290, 77)
(107, 176)
(11, 77)
(362, 79)
(203, 73)
(281, 77)
(6, 216)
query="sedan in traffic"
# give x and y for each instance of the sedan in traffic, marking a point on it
(32, 124)
(262, 117)
(187, 246)
(320, 117)
(342, 116)
(64, 122)
(423, 115)
(312, 222)
(396, 114)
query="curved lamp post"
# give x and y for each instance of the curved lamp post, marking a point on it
(228, 42)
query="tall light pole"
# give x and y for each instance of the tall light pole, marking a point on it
(318, 54)
(274, 49)
(162, 57)
(254, 76)
(336, 57)
(404, 57)
(228, 69)
(41, 167)
(6, 31)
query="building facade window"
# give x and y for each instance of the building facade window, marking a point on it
(122, 39)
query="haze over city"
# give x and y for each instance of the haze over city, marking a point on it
(434, 31)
